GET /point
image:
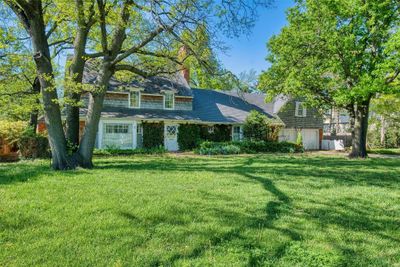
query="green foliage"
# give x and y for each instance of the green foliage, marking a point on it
(219, 133)
(299, 138)
(385, 113)
(11, 131)
(256, 126)
(153, 135)
(17, 70)
(137, 151)
(221, 148)
(32, 145)
(335, 52)
(188, 136)
(248, 147)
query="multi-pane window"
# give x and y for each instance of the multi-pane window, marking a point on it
(135, 99)
(169, 101)
(237, 133)
(301, 110)
(171, 130)
(117, 128)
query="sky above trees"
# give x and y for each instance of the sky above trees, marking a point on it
(249, 52)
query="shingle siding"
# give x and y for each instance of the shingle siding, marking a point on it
(187, 105)
(152, 104)
(312, 120)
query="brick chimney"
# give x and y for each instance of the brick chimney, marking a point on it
(185, 71)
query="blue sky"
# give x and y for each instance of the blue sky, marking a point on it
(249, 52)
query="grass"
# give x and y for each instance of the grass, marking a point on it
(260, 210)
(385, 151)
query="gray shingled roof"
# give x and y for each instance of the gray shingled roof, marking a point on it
(151, 85)
(209, 106)
(216, 106)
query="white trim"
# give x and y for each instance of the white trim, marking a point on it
(140, 99)
(116, 92)
(240, 132)
(116, 121)
(304, 109)
(173, 100)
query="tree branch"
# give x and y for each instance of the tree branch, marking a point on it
(135, 48)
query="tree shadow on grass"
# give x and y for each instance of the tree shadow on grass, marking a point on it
(256, 170)
(21, 172)
(376, 172)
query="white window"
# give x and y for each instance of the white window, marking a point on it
(172, 130)
(135, 99)
(117, 128)
(117, 135)
(237, 134)
(169, 101)
(301, 110)
(210, 129)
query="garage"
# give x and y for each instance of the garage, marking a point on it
(310, 137)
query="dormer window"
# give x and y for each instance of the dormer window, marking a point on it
(301, 110)
(169, 100)
(134, 101)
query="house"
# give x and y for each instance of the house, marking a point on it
(337, 129)
(130, 107)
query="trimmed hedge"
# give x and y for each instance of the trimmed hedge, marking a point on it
(188, 136)
(153, 135)
(137, 151)
(249, 147)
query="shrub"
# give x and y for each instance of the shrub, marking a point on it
(215, 148)
(255, 127)
(299, 139)
(32, 145)
(11, 131)
(153, 135)
(250, 147)
(188, 136)
(137, 151)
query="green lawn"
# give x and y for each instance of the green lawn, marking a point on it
(385, 151)
(262, 210)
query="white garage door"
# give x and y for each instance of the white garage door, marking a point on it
(310, 137)
(288, 135)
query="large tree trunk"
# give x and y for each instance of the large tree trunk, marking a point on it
(32, 18)
(75, 73)
(359, 142)
(33, 120)
(93, 117)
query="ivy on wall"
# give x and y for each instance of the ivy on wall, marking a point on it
(153, 135)
(188, 136)
(218, 133)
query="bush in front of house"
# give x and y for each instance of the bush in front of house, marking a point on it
(218, 148)
(32, 145)
(249, 147)
(124, 152)
(188, 136)
(153, 135)
(255, 127)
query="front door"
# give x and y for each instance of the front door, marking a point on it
(171, 137)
